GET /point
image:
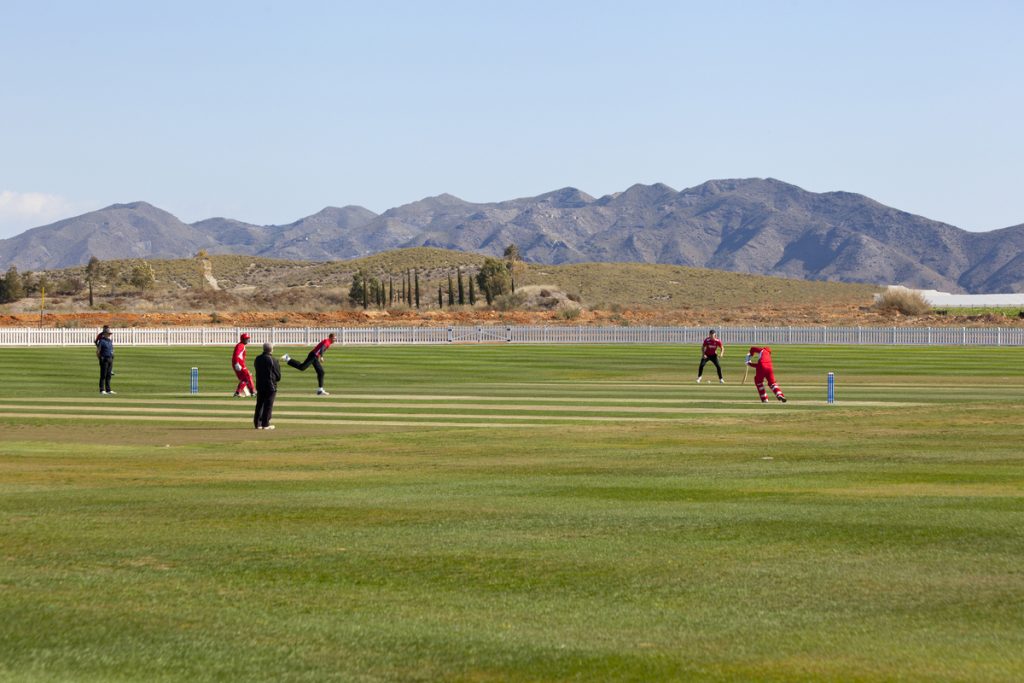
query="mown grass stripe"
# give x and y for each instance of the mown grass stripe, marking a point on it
(528, 407)
(248, 424)
(287, 413)
(531, 402)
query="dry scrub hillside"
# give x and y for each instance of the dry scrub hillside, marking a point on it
(242, 290)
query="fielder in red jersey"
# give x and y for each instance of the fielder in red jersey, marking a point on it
(711, 350)
(760, 358)
(245, 385)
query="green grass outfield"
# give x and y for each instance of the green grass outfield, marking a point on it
(514, 513)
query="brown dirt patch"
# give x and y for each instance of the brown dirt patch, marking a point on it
(791, 315)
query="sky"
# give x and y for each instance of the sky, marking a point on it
(267, 112)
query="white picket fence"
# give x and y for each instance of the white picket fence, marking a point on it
(520, 334)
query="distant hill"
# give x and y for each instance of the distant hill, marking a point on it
(318, 237)
(136, 230)
(759, 226)
(605, 286)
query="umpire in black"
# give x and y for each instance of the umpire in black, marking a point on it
(105, 354)
(268, 374)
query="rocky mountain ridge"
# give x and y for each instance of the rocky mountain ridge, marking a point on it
(760, 226)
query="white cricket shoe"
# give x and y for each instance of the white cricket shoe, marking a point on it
(322, 392)
(270, 427)
(103, 393)
(286, 358)
(111, 392)
(698, 380)
(721, 381)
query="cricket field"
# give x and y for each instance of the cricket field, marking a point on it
(514, 513)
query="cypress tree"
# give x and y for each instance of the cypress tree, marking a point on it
(92, 273)
(472, 292)
(462, 290)
(440, 297)
(451, 291)
(417, 275)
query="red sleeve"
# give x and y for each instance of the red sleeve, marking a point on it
(239, 355)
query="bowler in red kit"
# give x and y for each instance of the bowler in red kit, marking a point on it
(315, 358)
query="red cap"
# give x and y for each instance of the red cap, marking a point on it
(245, 335)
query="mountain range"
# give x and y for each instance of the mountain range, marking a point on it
(760, 226)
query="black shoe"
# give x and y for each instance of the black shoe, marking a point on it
(781, 398)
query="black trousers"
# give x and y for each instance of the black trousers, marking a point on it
(311, 359)
(704, 361)
(106, 370)
(264, 408)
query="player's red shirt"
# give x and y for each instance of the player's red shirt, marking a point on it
(239, 355)
(765, 360)
(322, 347)
(712, 346)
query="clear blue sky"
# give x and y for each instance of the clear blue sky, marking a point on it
(269, 111)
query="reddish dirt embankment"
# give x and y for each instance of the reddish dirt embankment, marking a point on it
(797, 316)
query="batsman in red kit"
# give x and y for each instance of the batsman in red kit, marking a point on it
(245, 385)
(760, 358)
